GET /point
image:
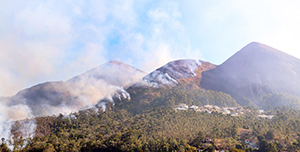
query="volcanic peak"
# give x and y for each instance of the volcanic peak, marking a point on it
(254, 71)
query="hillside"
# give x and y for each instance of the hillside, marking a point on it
(115, 107)
(250, 74)
(173, 72)
(162, 129)
(113, 73)
(254, 71)
(176, 82)
(82, 91)
(148, 98)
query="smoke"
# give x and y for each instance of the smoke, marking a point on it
(82, 93)
(163, 40)
(54, 98)
(5, 122)
(101, 82)
(9, 114)
(48, 41)
(168, 74)
(18, 112)
(90, 91)
(27, 128)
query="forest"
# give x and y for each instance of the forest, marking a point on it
(161, 129)
(148, 122)
(147, 98)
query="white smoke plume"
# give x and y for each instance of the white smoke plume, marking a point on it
(9, 114)
(5, 122)
(168, 74)
(47, 41)
(64, 97)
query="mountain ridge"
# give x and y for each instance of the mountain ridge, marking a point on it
(248, 75)
(81, 91)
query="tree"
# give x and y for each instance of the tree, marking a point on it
(236, 150)
(270, 135)
(260, 138)
(210, 149)
(4, 148)
(271, 147)
(235, 130)
(263, 145)
(199, 139)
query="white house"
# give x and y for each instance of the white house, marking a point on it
(266, 116)
(234, 114)
(260, 111)
(208, 106)
(181, 107)
(226, 112)
(194, 107)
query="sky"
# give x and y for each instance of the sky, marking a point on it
(55, 40)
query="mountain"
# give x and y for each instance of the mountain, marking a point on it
(78, 92)
(114, 73)
(254, 71)
(174, 72)
(174, 83)
(248, 76)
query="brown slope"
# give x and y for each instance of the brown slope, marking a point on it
(185, 73)
(196, 80)
(175, 72)
(254, 71)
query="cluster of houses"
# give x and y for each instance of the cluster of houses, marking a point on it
(233, 111)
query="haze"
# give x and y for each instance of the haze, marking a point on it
(47, 41)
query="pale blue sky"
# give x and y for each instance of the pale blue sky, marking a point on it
(55, 40)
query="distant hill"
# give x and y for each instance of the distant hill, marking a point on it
(254, 71)
(79, 92)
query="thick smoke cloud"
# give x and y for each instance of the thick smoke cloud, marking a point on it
(63, 97)
(53, 41)
(49, 41)
(9, 114)
(78, 93)
(45, 41)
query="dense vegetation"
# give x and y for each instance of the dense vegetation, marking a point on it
(270, 101)
(148, 122)
(145, 98)
(162, 129)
